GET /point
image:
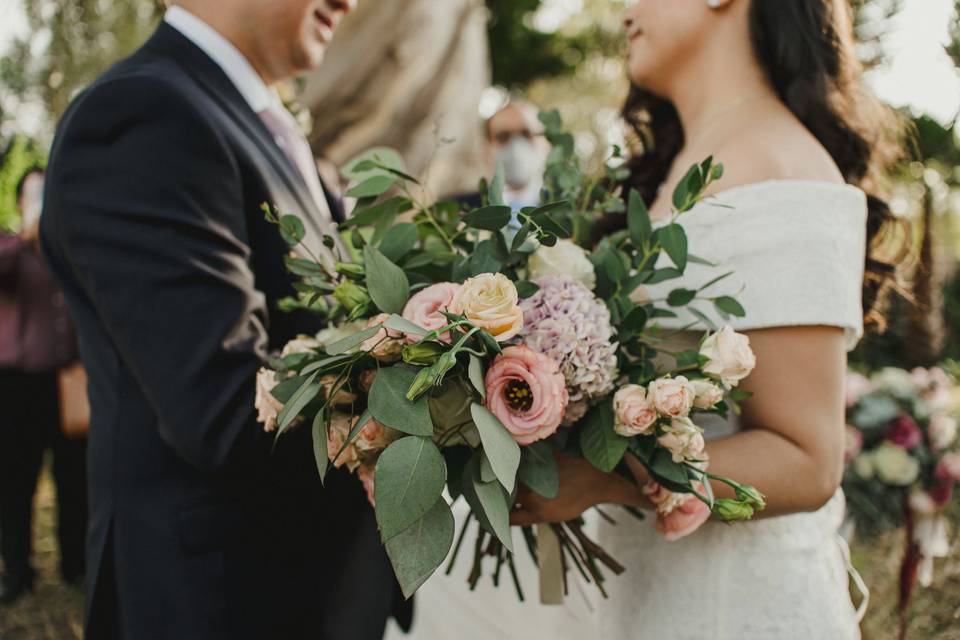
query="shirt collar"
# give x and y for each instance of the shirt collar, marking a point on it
(233, 63)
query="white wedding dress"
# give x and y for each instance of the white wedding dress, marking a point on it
(797, 252)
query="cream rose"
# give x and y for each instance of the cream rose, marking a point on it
(672, 397)
(634, 413)
(337, 434)
(707, 395)
(730, 358)
(563, 259)
(894, 465)
(301, 344)
(863, 466)
(942, 431)
(490, 302)
(268, 407)
(683, 439)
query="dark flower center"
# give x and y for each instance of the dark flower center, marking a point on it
(519, 396)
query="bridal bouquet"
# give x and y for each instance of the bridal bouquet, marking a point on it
(465, 349)
(903, 461)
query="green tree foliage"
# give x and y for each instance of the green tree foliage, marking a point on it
(21, 156)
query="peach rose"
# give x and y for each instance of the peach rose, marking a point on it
(366, 379)
(730, 357)
(950, 463)
(375, 437)
(921, 503)
(385, 345)
(425, 309)
(678, 514)
(526, 391)
(635, 416)
(706, 394)
(337, 433)
(301, 344)
(366, 474)
(342, 398)
(942, 431)
(683, 439)
(672, 397)
(268, 407)
(490, 302)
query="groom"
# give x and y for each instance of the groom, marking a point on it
(153, 226)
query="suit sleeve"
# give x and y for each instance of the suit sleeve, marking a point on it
(145, 208)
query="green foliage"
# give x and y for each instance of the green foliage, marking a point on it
(21, 156)
(410, 476)
(418, 550)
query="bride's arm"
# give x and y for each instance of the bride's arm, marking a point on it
(791, 447)
(792, 444)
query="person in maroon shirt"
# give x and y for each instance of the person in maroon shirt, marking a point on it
(36, 341)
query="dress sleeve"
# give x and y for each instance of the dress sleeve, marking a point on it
(796, 251)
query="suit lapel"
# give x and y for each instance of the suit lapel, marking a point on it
(211, 78)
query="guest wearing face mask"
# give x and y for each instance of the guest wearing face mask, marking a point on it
(36, 343)
(515, 142)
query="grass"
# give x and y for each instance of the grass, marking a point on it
(53, 611)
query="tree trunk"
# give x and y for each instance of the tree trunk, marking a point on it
(406, 74)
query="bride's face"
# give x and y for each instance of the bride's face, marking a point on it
(663, 36)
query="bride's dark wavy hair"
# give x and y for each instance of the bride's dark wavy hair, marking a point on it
(806, 49)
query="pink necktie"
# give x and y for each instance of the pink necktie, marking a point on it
(293, 143)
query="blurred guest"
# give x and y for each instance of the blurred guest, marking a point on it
(36, 342)
(515, 142)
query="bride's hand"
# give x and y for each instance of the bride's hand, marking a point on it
(581, 486)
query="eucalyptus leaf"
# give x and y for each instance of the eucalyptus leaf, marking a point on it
(417, 551)
(496, 508)
(399, 241)
(372, 187)
(681, 297)
(320, 452)
(663, 275)
(410, 476)
(387, 283)
(291, 229)
(304, 395)
(399, 323)
(673, 239)
(600, 444)
(501, 449)
(475, 372)
(351, 342)
(525, 288)
(638, 219)
(388, 402)
(388, 209)
(539, 469)
(730, 305)
(489, 218)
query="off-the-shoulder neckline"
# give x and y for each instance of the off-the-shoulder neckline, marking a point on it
(784, 182)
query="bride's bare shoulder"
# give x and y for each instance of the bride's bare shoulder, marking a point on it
(778, 148)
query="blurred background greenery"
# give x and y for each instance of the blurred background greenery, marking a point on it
(566, 54)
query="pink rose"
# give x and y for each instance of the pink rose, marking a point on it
(856, 386)
(343, 396)
(385, 345)
(905, 433)
(853, 444)
(337, 433)
(366, 474)
(425, 309)
(729, 356)
(635, 415)
(678, 514)
(366, 379)
(706, 394)
(683, 439)
(672, 397)
(526, 391)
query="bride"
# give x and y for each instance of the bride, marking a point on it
(772, 89)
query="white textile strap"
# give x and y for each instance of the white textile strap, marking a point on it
(855, 576)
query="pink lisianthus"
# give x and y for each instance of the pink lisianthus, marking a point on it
(526, 391)
(366, 474)
(942, 489)
(904, 432)
(425, 309)
(678, 514)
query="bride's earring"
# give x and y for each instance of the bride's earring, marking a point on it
(715, 4)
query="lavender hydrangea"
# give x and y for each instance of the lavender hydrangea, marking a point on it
(565, 321)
